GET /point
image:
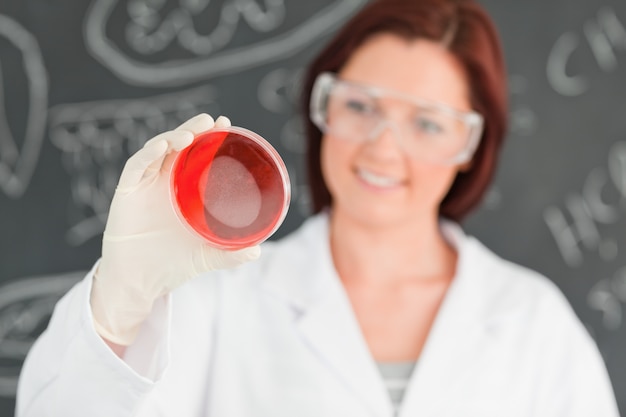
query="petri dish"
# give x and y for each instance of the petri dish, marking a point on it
(230, 187)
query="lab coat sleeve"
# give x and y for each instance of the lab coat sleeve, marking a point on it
(575, 382)
(70, 371)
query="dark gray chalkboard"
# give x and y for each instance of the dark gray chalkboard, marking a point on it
(84, 83)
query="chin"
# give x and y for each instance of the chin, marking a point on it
(371, 216)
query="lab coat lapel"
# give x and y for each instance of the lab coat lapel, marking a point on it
(460, 340)
(324, 317)
(332, 332)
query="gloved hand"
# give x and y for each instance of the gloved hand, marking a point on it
(146, 251)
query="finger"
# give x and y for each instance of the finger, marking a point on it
(198, 124)
(137, 164)
(148, 160)
(166, 167)
(222, 122)
(176, 139)
(179, 140)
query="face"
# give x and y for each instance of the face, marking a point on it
(376, 181)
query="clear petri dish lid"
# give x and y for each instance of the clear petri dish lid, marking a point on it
(230, 187)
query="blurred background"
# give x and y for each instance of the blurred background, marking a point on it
(83, 84)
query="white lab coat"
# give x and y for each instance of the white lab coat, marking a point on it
(277, 338)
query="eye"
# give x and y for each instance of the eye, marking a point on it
(358, 106)
(429, 126)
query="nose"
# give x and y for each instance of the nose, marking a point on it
(386, 132)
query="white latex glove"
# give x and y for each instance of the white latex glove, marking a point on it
(146, 251)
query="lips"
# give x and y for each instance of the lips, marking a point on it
(378, 180)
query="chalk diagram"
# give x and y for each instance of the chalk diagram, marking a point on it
(155, 25)
(25, 308)
(278, 93)
(18, 159)
(97, 137)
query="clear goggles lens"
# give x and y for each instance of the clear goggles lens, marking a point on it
(430, 131)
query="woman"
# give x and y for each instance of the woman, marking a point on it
(379, 305)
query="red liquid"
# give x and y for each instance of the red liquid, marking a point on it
(229, 189)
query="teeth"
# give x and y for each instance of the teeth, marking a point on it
(377, 180)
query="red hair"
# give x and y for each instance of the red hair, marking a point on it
(468, 32)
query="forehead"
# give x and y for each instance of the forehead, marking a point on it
(419, 68)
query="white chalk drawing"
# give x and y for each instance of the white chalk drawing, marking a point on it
(580, 229)
(607, 296)
(278, 92)
(158, 24)
(604, 35)
(25, 308)
(97, 137)
(588, 209)
(18, 158)
(617, 169)
(493, 199)
(147, 33)
(522, 119)
(600, 298)
(292, 135)
(300, 194)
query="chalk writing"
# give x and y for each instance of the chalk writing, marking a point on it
(608, 297)
(589, 208)
(604, 34)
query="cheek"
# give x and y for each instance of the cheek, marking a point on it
(433, 182)
(326, 163)
(334, 163)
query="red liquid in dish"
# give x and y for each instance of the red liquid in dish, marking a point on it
(231, 190)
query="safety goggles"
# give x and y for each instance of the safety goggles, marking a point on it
(431, 131)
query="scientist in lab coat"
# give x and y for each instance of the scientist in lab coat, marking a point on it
(379, 305)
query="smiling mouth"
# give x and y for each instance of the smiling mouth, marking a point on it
(377, 180)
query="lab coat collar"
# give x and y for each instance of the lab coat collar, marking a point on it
(303, 289)
(328, 326)
(285, 277)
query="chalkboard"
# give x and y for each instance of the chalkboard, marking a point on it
(84, 83)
